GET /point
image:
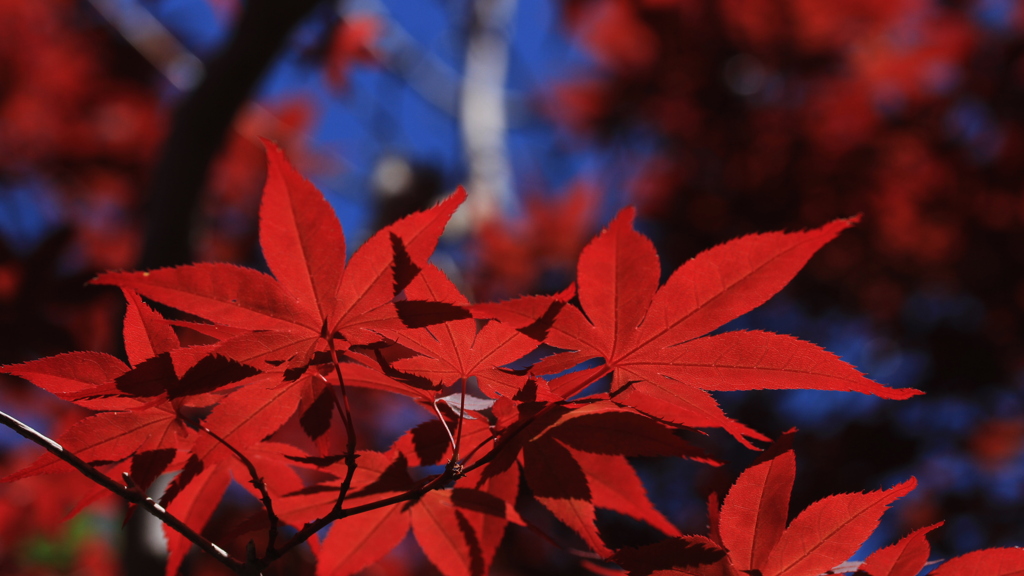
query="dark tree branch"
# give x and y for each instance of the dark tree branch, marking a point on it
(434, 483)
(201, 121)
(133, 495)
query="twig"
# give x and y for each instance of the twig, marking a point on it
(350, 430)
(256, 480)
(453, 470)
(483, 118)
(134, 496)
(311, 528)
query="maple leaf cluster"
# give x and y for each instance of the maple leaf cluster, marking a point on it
(551, 393)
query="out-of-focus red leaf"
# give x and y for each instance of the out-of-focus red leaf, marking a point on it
(988, 562)
(682, 556)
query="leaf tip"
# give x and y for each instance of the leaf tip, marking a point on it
(625, 217)
(268, 144)
(902, 393)
(903, 488)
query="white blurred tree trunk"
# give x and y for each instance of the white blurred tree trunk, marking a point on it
(483, 116)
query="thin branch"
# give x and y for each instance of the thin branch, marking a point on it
(134, 496)
(455, 443)
(311, 528)
(153, 41)
(483, 117)
(256, 480)
(350, 429)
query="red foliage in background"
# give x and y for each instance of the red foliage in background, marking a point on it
(756, 116)
(767, 115)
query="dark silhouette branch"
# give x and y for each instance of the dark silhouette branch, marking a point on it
(434, 483)
(350, 430)
(201, 121)
(133, 495)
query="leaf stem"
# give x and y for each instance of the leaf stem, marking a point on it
(451, 438)
(134, 496)
(462, 418)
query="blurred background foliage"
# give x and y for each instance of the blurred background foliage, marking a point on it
(128, 140)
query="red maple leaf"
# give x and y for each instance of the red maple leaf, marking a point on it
(456, 350)
(281, 323)
(652, 339)
(312, 294)
(148, 432)
(752, 521)
(904, 558)
(749, 534)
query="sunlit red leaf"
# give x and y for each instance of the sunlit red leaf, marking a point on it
(904, 558)
(650, 339)
(70, 373)
(356, 542)
(111, 437)
(146, 333)
(560, 484)
(457, 350)
(302, 242)
(222, 293)
(194, 505)
(614, 485)
(829, 531)
(445, 535)
(366, 291)
(754, 514)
